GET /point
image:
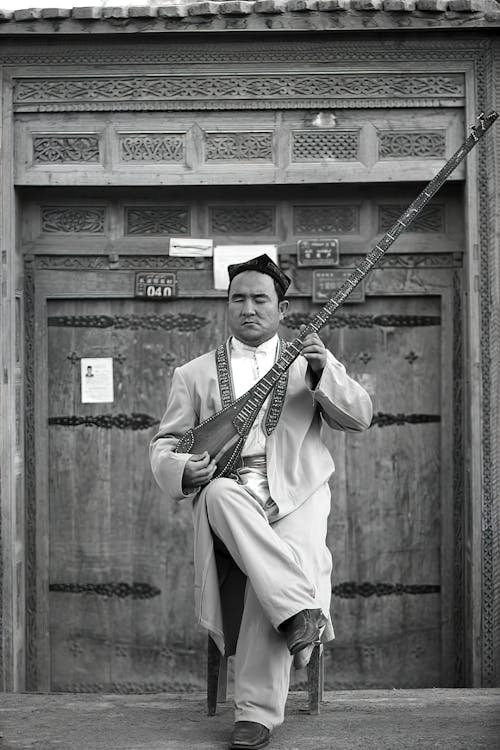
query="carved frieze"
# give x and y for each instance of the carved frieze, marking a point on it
(430, 219)
(325, 219)
(416, 145)
(63, 149)
(72, 219)
(161, 220)
(238, 146)
(188, 90)
(311, 145)
(242, 219)
(153, 147)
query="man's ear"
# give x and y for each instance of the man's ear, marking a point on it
(283, 307)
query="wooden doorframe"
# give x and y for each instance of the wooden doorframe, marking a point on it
(45, 284)
(481, 495)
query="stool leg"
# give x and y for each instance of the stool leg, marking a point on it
(315, 679)
(213, 668)
(222, 687)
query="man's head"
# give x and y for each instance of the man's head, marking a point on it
(255, 299)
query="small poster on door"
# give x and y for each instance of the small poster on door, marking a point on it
(97, 380)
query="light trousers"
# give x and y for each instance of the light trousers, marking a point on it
(288, 567)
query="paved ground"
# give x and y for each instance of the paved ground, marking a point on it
(361, 720)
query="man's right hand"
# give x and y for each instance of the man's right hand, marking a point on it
(198, 471)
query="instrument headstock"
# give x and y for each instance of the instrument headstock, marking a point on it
(484, 122)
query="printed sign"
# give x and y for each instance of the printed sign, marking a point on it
(326, 282)
(318, 252)
(155, 285)
(193, 248)
(97, 380)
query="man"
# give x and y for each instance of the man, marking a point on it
(272, 517)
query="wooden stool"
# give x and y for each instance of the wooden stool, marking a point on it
(232, 583)
(217, 678)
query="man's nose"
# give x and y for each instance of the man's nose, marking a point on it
(248, 307)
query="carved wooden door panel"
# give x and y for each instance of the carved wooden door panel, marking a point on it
(385, 523)
(121, 599)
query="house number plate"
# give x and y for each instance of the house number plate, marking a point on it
(155, 285)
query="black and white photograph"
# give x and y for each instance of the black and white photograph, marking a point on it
(250, 374)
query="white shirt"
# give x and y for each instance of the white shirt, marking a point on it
(248, 365)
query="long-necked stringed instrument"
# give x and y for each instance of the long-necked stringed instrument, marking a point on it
(223, 435)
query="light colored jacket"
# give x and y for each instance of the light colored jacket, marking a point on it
(298, 462)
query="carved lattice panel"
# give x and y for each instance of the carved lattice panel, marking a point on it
(65, 149)
(238, 146)
(161, 220)
(313, 145)
(337, 219)
(431, 218)
(73, 219)
(157, 147)
(242, 219)
(412, 145)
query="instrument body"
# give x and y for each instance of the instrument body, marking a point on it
(223, 435)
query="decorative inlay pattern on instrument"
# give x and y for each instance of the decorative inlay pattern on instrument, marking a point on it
(226, 390)
(336, 219)
(184, 322)
(121, 590)
(417, 145)
(152, 147)
(159, 220)
(65, 149)
(313, 145)
(430, 219)
(279, 86)
(350, 589)
(242, 219)
(380, 419)
(107, 421)
(224, 375)
(277, 398)
(238, 146)
(73, 219)
(358, 320)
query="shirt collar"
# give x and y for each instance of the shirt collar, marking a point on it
(268, 347)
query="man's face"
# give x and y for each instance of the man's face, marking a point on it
(254, 313)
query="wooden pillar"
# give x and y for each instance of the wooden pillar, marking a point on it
(12, 611)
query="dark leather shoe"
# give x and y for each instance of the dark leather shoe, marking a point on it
(249, 735)
(303, 629)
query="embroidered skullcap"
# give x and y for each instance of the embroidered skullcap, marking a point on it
(262, 264)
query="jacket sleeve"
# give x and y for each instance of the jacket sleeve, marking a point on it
(345, 405)
(180, 416)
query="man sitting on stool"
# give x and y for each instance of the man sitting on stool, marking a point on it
(272, 517)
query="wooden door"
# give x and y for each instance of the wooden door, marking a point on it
(121, 602)
(385, 523)
(121, 570)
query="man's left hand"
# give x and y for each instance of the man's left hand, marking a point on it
(314, 351)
